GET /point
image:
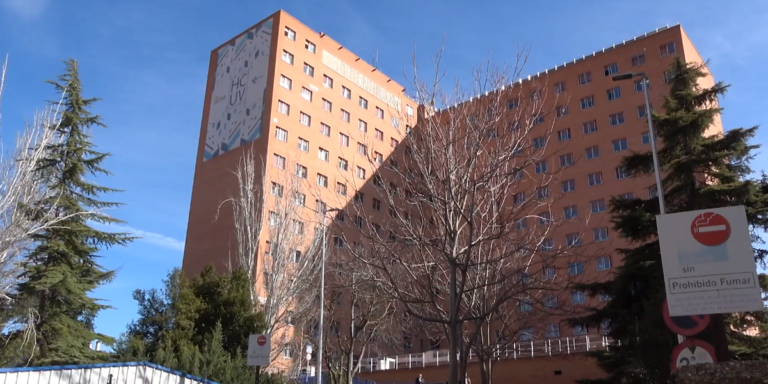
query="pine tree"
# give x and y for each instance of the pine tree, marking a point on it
(62, 269)
(699, 172)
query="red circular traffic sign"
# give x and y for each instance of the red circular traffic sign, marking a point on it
(710, 229)
(685, 325)
(692, 352)
(261, 340)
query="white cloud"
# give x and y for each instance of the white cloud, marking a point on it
(153, 238)
(26, 9)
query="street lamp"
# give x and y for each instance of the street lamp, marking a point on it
(651, 135)
(322, 300)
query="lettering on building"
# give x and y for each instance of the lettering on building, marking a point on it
(360, 80)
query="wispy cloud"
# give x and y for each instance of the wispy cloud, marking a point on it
(153, 238)
(26, 9)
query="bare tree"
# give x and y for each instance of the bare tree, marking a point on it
(20, 185)
(468, 192)
(276, 245)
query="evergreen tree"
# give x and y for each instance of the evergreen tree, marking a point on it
(699, 172)
(62, 269)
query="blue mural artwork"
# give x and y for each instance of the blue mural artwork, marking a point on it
(236, 108)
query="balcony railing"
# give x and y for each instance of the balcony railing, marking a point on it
(519, 350)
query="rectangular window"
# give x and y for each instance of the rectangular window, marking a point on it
(518, 198)
(322, 154)
(561, 110)
(521, 224)
(592, 152)
(527, 332)
(539, 142)
(379, 157)
(564, 134)
(303, 145)
(575, 268)
(360, 173)
(274, 218)
(613, 93)
(310, 46)
(566, 160)
(549, 273)
(394, 122)
(585, 78)
(597, 206)
(363, 103)
(538, 118)
(587, 102)
(394, 143)
(594, 179)
(301, 171)
(638, 60)
(341, 189)
(559, 87)
(603, 263)
(552, 331)
(299, 198)
(290, 33)
(545, 218)
(620, 145)
(283, 108)
(572, 240)
(346, 92)
(580, 329)
(288, 57)
(641, 111)
(343, 140)
(362, 126)
(305, 119)
(621, 173)
(568, 185)
(281, 134)
(325, 129)
(547, 244)
(345, 115)
(578, 298)
(379, 113)
(667, 49)
(379, 135)
(328, 81)
(276, 190)
(409, 110)
(362, 149)
(611, 69)
(512, 104)
(639, 85)
(377, 205)
(668, 76)
(343, 164)
(322, 181)
(327, 105)
(646, 137)
(570, 212)
(589, 127)
(278, 161)
(285, 82)
(616, 119)
(309, 70)
(306, 94)
(541, 167)
(627, 196)
(542, 192)
(600, 234)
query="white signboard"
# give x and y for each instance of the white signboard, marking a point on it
(709, 265)
(259, 347)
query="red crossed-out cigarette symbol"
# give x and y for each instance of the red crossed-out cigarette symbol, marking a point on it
(710, 229)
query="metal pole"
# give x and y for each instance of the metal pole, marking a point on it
(322, 309)
(656, 168)
(652, 136)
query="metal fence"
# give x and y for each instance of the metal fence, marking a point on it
(519, 350)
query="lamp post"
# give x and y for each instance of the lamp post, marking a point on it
(322, 301)
(651, 135)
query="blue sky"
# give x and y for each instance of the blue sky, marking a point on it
(148, 59)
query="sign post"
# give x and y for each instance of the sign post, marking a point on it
(709, 267)
(259, 348)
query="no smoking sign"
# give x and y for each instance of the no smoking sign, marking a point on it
(710, 229)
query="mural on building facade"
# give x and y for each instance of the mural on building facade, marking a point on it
(237, 102)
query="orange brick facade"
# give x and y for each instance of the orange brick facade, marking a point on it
(314, 114)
